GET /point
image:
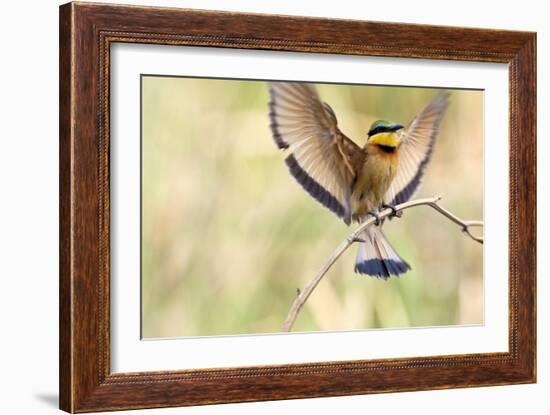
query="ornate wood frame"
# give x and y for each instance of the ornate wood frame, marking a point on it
(86, 33)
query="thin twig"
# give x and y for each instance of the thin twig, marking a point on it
(303, 295)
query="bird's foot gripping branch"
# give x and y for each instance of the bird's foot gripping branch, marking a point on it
(433, 202)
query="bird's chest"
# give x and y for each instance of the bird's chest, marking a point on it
(373, 181)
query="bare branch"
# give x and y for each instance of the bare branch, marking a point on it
(304, 294)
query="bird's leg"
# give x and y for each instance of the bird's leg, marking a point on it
(374, 215)
(394, 212)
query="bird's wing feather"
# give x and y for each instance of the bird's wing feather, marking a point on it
(319, 156)
(415, 150)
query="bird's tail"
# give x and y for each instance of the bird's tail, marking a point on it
(376, 257)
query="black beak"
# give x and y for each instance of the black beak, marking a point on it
(396, 127)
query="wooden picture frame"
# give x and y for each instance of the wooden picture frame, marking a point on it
(86, 33)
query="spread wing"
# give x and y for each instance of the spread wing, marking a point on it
(319, 156)
(415, 150)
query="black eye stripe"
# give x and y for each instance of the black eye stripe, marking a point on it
(379, 129)
(383, 129)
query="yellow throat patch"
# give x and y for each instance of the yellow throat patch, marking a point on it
(389, 139)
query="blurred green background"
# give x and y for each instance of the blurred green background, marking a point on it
(228, 235)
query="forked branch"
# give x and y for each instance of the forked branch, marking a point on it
(304, 294)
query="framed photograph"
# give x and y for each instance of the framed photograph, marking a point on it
(258, 207)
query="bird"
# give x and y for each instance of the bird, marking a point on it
(355, 182)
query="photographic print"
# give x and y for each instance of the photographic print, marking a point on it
(249, 186)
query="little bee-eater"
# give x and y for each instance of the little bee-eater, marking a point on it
(351, 181)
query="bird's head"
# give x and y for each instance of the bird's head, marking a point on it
(384, 134)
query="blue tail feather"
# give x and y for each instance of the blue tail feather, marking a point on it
(377, 258)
